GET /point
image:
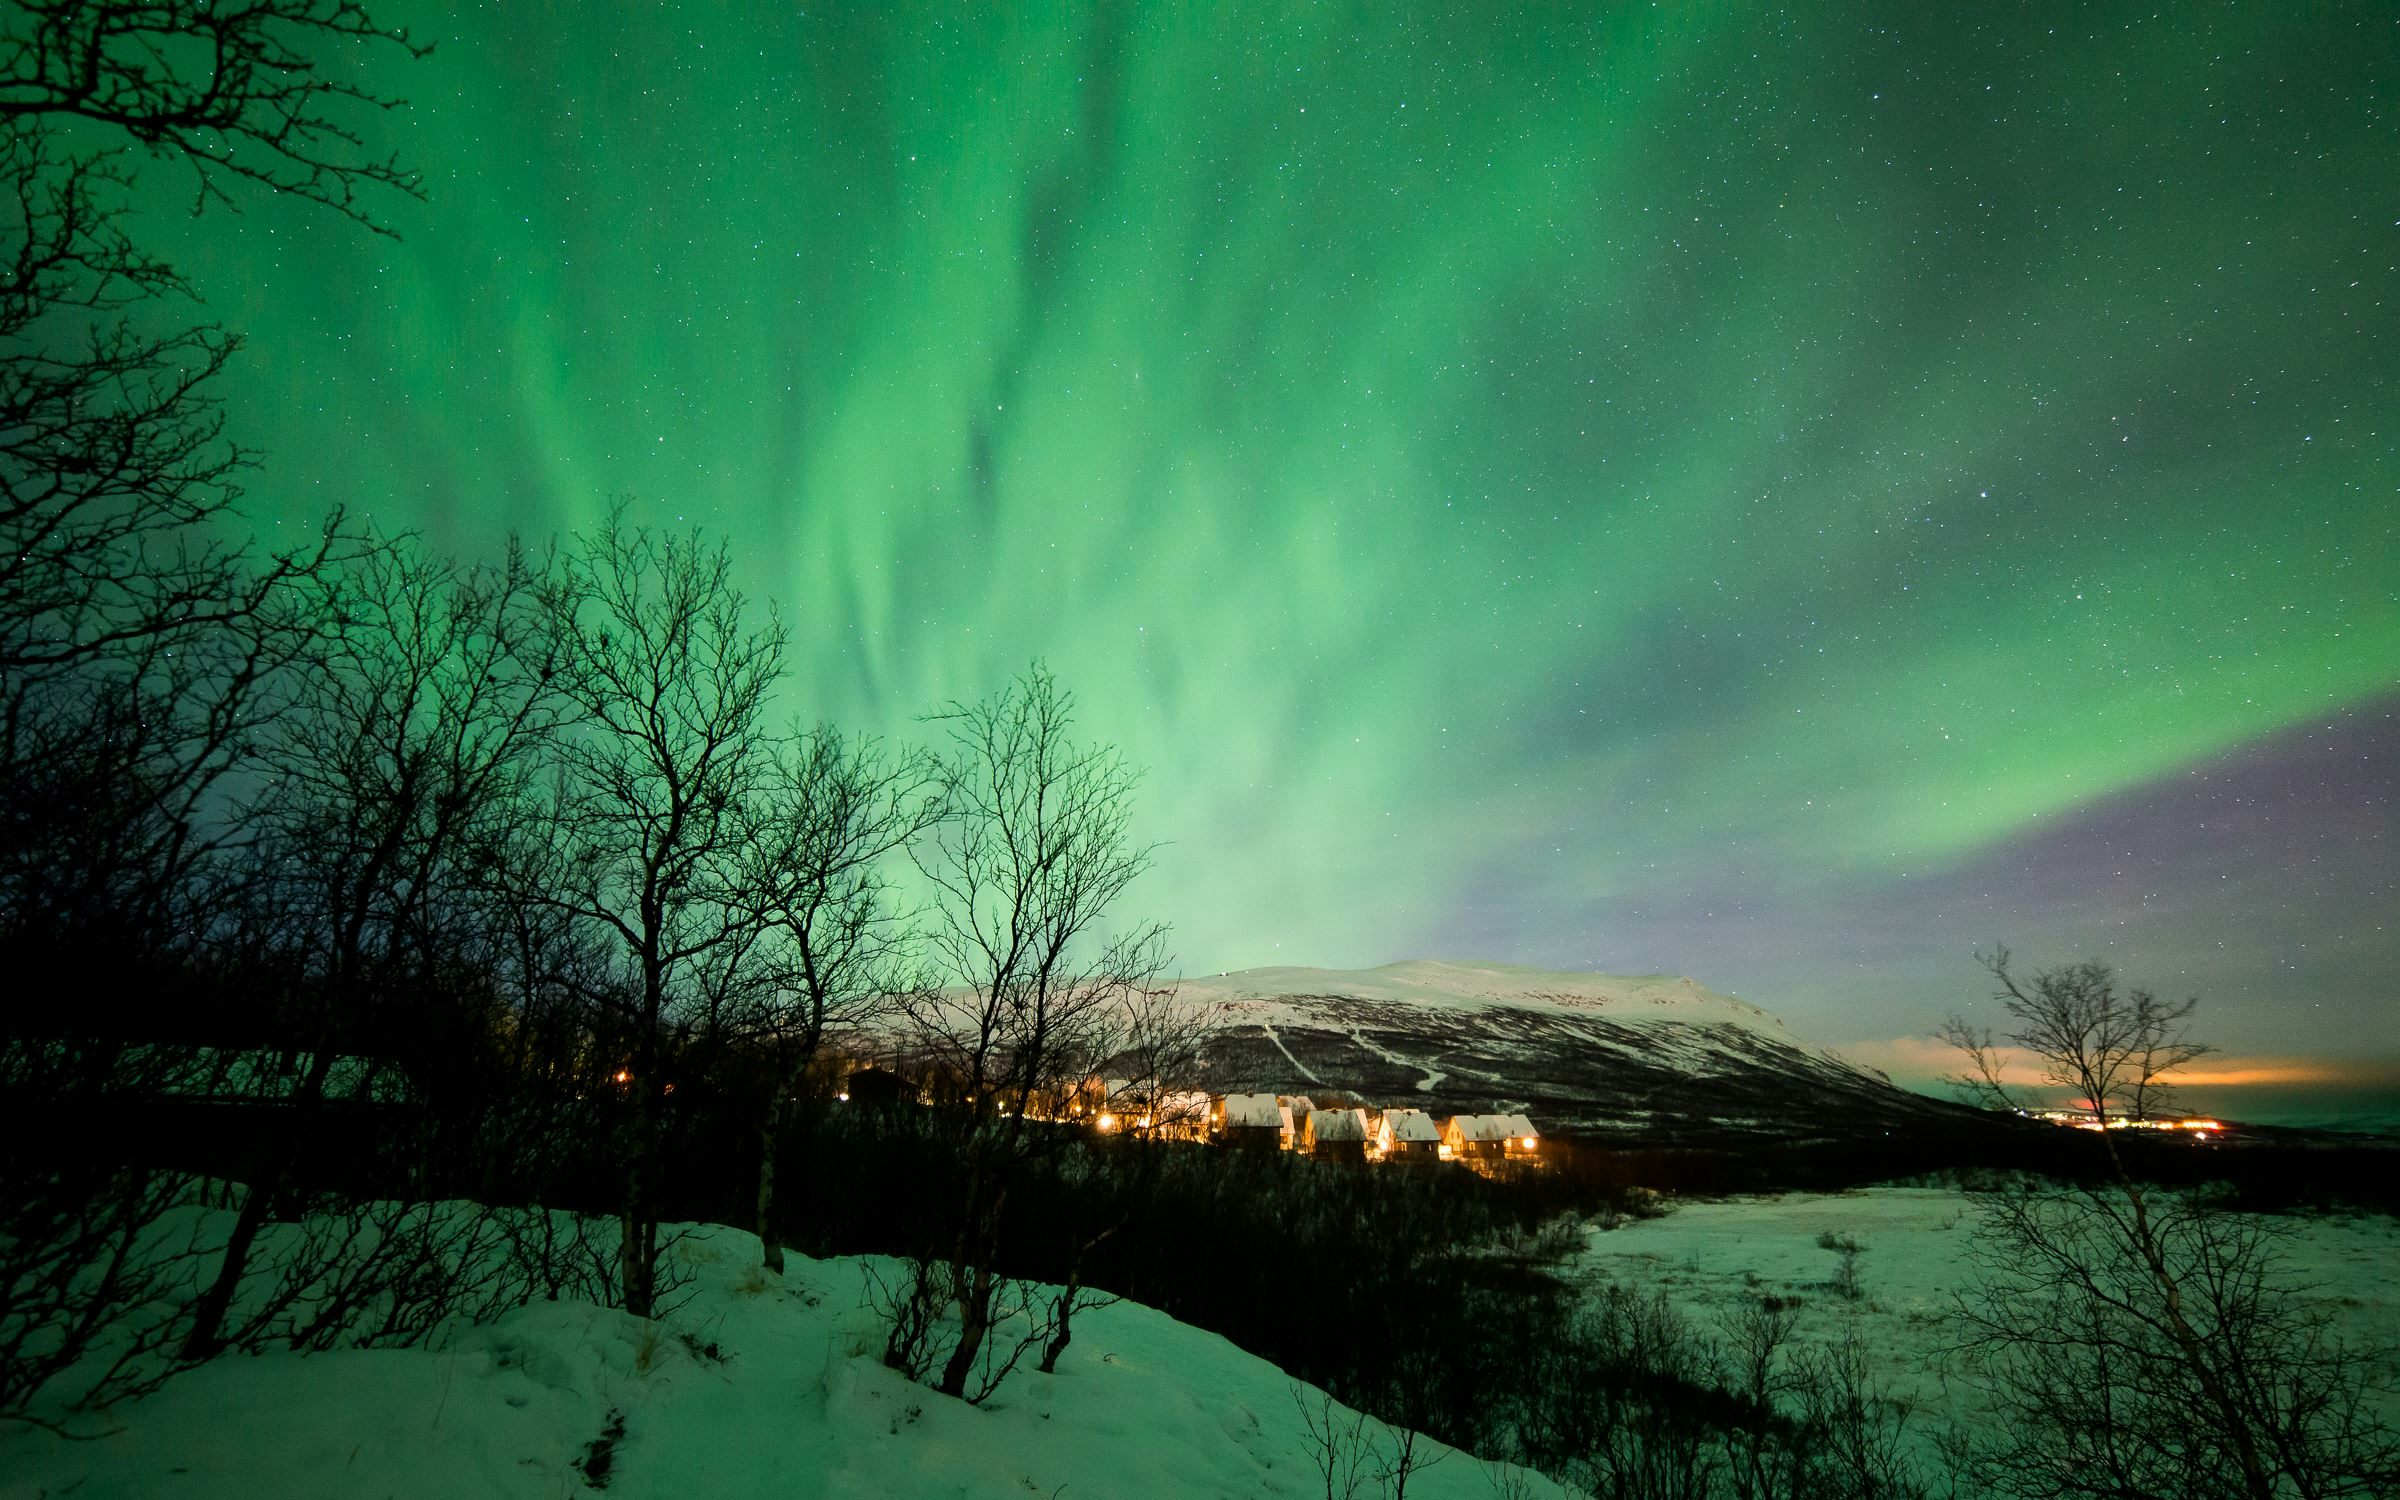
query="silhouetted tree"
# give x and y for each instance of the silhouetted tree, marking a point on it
(660, 773)
(136, 630)
(2138, 1342)
(415, 723)
(1026, 986)
(144, 648)
(831, 813)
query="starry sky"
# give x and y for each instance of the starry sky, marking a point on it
(1785, 497)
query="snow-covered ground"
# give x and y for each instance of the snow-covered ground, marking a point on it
(1710, 1257)
(794, 1403)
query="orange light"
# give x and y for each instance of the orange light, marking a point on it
(624, 1075)
(844, 1096)
(1529, 1143)
(1106, 1122)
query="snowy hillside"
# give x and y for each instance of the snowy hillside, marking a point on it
(758, 1386)
(1438, 985)
(1657, 1056)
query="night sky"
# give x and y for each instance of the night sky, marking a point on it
(1784, 499)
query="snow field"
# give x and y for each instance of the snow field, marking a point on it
(1711, 1257)
(756, 1386)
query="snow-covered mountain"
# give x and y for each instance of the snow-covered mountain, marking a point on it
(1657, 1057)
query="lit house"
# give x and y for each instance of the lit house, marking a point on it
(1255, 1121)
(1407, 1135)
(1180, 1115)
(1335, 1134)
(1299, 1106)
(1471, 1137)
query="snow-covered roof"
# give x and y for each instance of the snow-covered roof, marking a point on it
(1252, 1109)
(1337, 1125)
(1478, 1128)
(1409, 1125)
(1515, 1125)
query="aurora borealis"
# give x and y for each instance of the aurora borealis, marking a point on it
(1780, 497)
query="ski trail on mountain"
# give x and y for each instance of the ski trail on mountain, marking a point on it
(1424, 1085)
(1287, 1054)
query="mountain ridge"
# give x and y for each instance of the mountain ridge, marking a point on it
(1649, 1058)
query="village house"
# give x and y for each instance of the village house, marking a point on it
(1336, 1135)
(877, 1088)
(1179, 1115)
(1519, 1141)
(1407, 1135)
(1255, 1122)
(1293, 1122)
(1297, 1108)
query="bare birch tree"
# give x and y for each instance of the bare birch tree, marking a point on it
(415, 722)
(2139, 1342)
(669, 677)
(834, 812)
(142, 644)
(1036, 849)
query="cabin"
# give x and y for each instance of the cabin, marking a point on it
(1179, 1115)
(1520, 1141)
(876, 1088)
(1407, 1135)
(1335, 1135)
(1296, 1110)
(1475, 1137)
(1253, 1122)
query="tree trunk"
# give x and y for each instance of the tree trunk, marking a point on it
(1063, 1331)
(206, 1338)
(637, 1252)
(2255, 1480)
(974, 1322)
(769, 1133)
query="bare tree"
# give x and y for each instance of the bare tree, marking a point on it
(122, 597)
(832, 813)
(1152, 1046)
(143, 648)
(2114, 1052)
(1027, 984)
(255, 92)
(2137, 1342)
(669, 676)
(1161, 1043)
(414, 725)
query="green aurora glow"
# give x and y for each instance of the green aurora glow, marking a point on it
(1591, 487)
